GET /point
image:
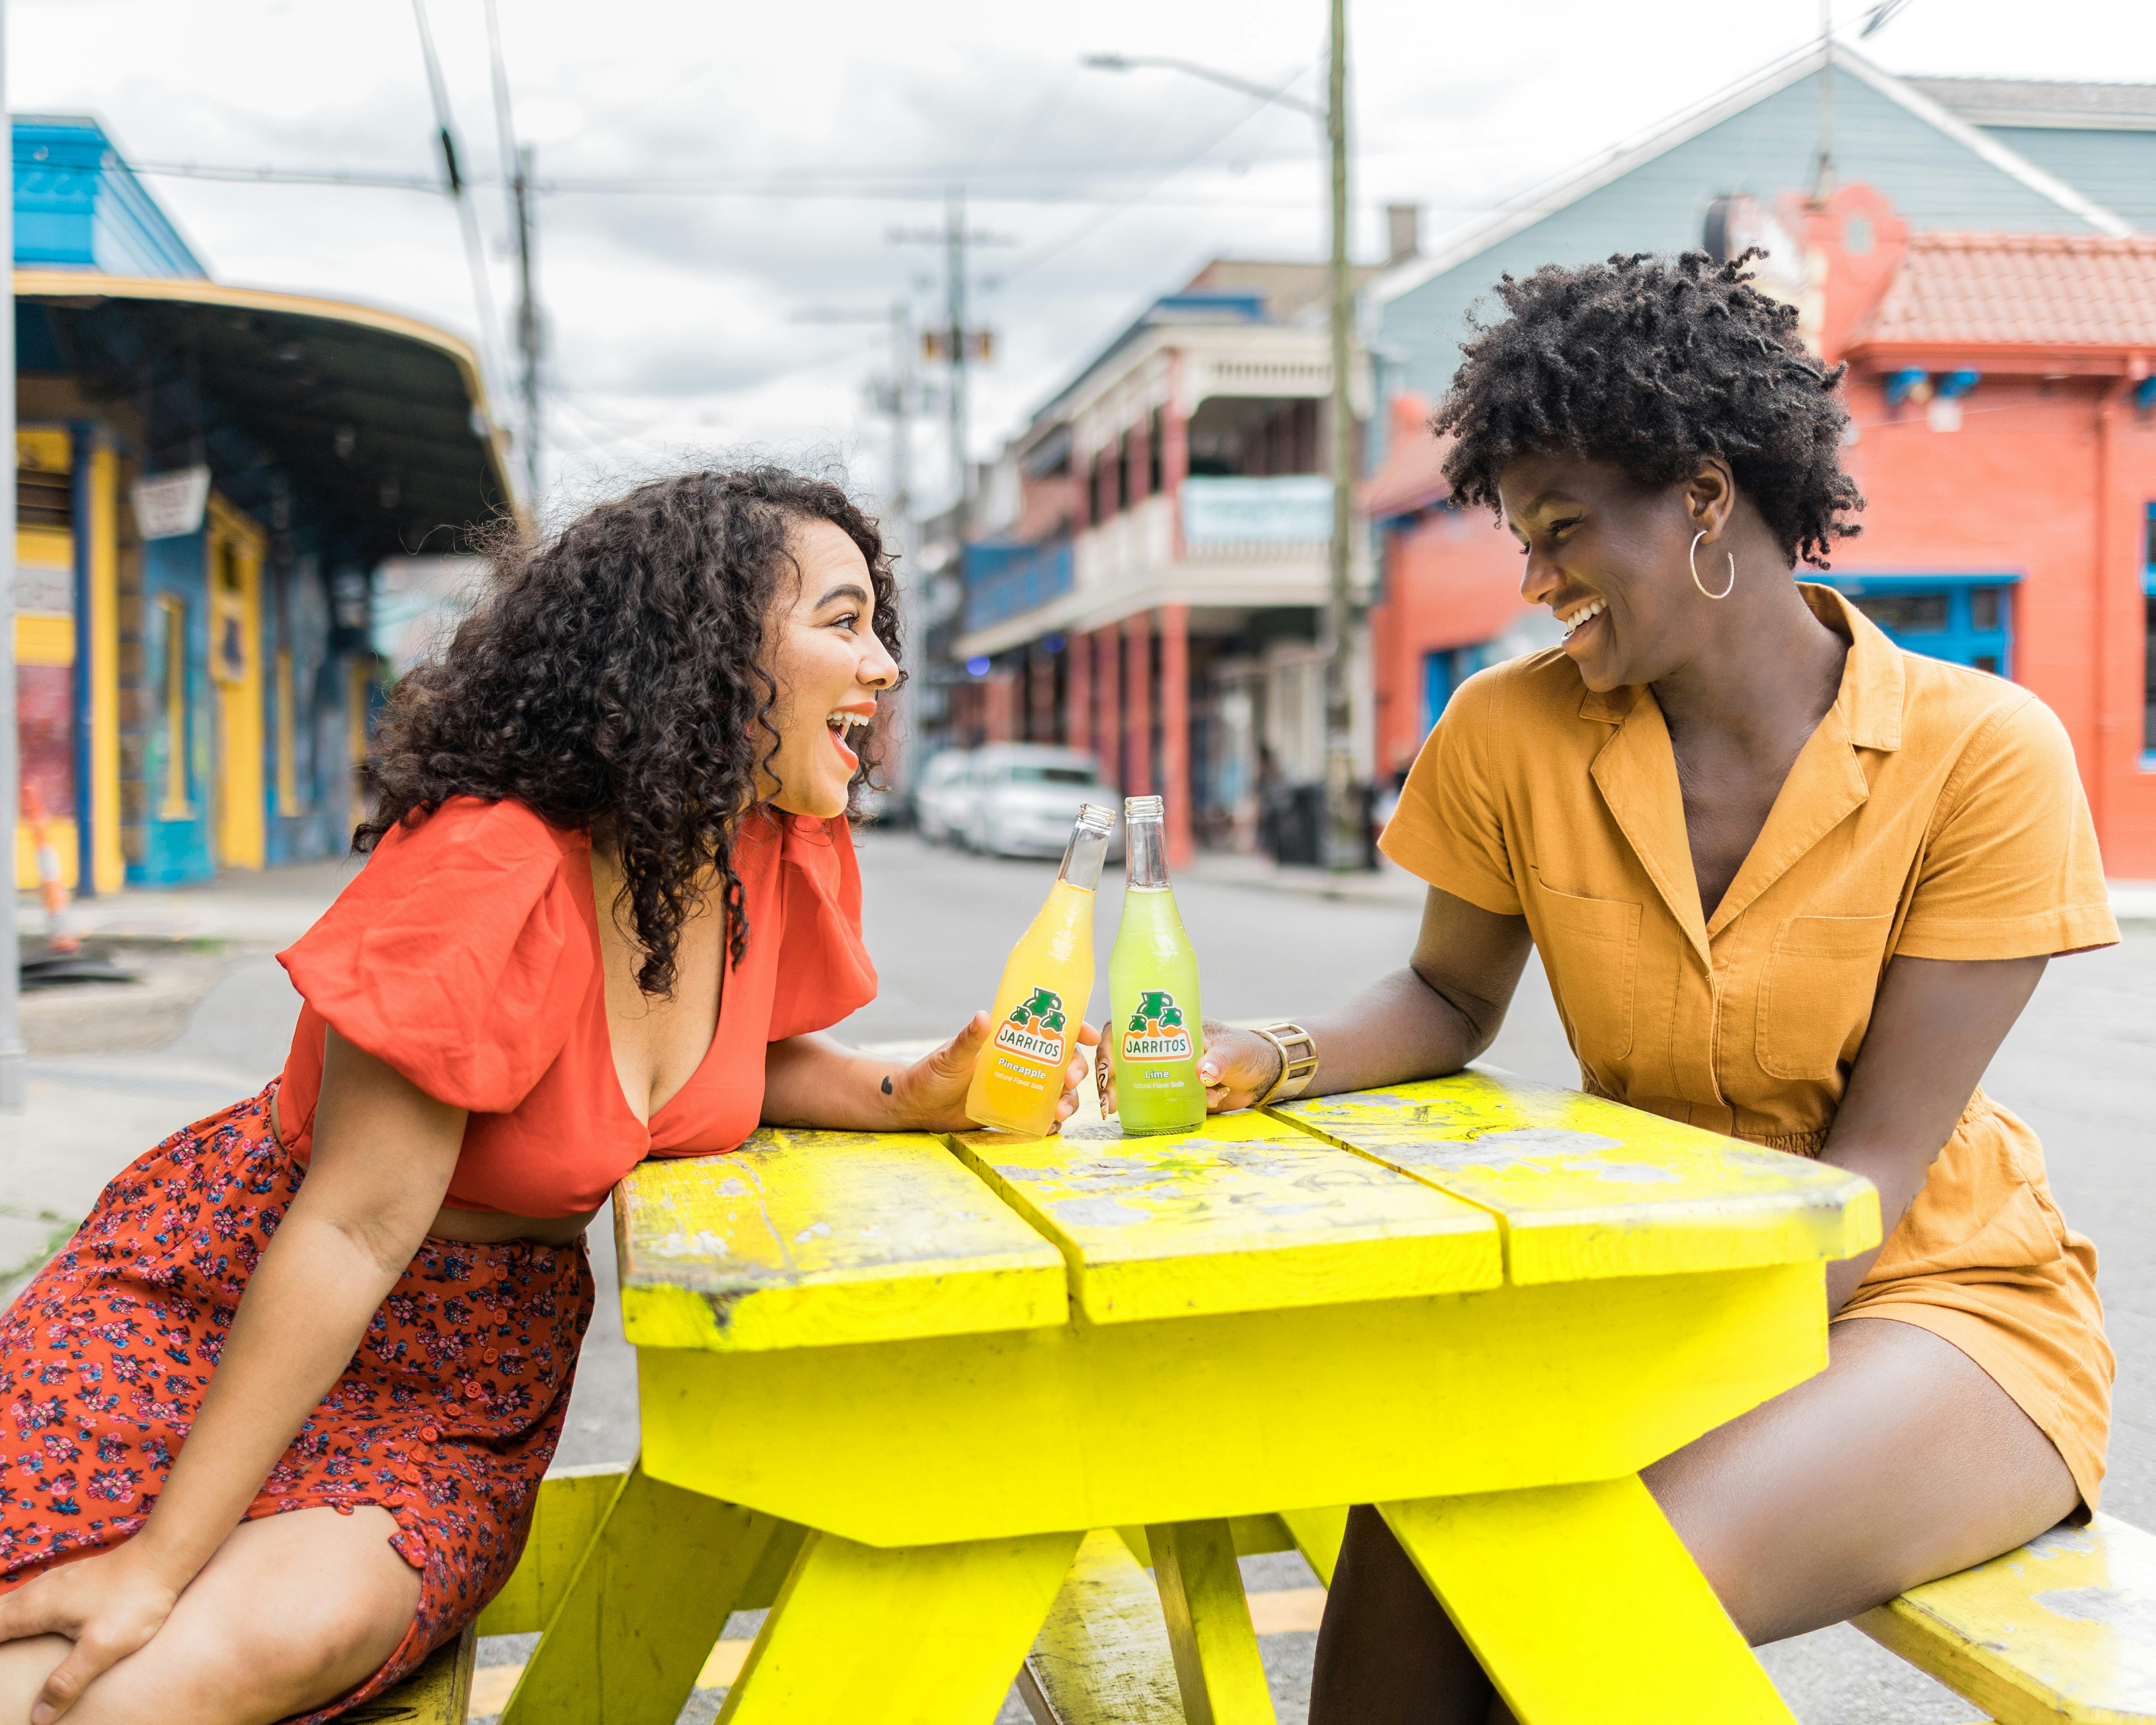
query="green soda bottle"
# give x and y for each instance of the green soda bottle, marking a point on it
(1152, 1027)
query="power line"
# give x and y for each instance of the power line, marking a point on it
(459, 194)
(517, 164)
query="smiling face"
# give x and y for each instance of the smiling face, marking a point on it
(828, 665)
(1608, 557)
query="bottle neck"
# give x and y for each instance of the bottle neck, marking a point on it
(1082, 858)
(1146, 860)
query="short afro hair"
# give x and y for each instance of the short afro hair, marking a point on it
(1652, 364)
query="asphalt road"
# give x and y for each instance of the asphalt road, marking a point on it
(2080, 1066)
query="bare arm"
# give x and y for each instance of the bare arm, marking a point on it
(384, 1151)
(817, 1080)
(1935, 1026)
(1433, 1017)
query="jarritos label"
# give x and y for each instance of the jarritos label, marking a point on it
(1155, 1030)
(1035, 1029)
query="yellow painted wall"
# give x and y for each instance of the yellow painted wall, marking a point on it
(41, 639)
(235, 547)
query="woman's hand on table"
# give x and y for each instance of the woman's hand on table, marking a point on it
(931, 1093)
(1236, 1068)
(109, 1605)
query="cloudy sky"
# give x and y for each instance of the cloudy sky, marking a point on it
(722, 181)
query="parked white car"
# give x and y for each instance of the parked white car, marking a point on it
(1022, 798)
(942, 797)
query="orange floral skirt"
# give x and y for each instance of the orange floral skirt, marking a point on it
(447, 1416)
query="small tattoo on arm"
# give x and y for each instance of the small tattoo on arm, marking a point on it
(886, 1084)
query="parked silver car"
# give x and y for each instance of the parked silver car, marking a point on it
(1022, 797)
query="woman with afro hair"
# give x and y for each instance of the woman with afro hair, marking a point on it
(277, 1415)
(1789, 884)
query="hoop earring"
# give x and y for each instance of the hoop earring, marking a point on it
(1691, 556)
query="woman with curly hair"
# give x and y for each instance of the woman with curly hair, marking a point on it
(1790, 884)
(278, 1413)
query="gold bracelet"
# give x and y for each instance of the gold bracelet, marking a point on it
(1298, 1052)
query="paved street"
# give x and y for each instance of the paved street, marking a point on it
(2082, 1066)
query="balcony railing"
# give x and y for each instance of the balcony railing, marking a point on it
(1009, 580)
(1291, 508)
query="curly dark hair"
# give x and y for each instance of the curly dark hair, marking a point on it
(1652, 363)
(614, 681)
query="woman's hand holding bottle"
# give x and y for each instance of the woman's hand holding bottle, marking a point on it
(1237, 1068)
(931, 1094)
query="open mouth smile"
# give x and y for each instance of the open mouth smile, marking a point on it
(840, 725)
(1573, 622)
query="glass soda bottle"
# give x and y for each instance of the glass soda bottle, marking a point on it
(1153, 1027)
(1018, 1077)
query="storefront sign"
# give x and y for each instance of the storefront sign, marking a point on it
(170, 504)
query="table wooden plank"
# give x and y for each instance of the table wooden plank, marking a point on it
(1246, 1214)
(1588, 1188)
(816, 1239)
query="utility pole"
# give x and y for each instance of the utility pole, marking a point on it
(516, 171)
(1343, 815)
(896, 395)
(954, 336)
(527, 324)
(1823, 170)
(1343, 841)
(15, 1057)
(954, 343)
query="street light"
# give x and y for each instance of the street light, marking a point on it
(1343, 822)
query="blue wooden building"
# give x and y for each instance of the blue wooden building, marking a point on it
(207, 478)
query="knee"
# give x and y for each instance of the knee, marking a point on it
(306, 1652)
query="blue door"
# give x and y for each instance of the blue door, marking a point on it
(1443, 671)
(1965, 619)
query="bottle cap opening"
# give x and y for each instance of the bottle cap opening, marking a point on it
(1096, 818)
(1142, 808)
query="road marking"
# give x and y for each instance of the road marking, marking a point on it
(1282, 1611)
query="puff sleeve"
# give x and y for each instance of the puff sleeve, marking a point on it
(2010, 868)
(459, 955)
(824, 971)
(1448, 829)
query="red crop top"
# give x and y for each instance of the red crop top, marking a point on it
(466, 955)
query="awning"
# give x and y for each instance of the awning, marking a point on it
(382, 418)
(1412, 476)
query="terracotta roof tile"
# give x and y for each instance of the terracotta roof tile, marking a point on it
(2018, 290)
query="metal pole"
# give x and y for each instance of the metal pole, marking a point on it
(527, 327)
(14, 1055)
(1344, 850)
(1823, 174)
(954, 285)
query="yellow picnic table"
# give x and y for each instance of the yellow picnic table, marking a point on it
(908, 1374)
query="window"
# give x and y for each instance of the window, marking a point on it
(1965, 620)
(1028, 774)
(1910, 614)
(2149, 679)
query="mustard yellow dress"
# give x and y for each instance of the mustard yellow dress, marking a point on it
(1936, 812)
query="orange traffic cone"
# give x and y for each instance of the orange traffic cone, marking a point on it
(51, 888)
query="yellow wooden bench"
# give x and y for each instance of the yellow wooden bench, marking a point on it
(2062, 1628)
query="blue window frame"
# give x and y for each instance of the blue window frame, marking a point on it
(1443, 671)
(1964, 618)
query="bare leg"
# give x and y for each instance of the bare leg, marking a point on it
(1902, 1461)
(292, 1611)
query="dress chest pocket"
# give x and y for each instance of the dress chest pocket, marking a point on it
(1590, 947)
(1816, 991)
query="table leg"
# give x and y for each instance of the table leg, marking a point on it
(643, 1607)
(925, 1635)
(1583, 1606)
(1216, 1665)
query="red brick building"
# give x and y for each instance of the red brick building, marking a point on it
(2002, 387)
